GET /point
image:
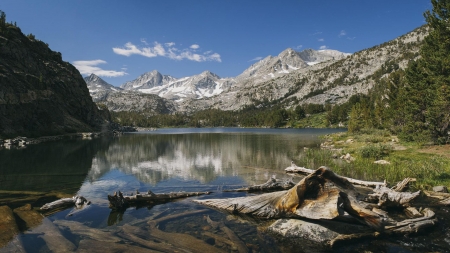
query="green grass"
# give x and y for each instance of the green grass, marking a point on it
(429, 169)
(314, 121)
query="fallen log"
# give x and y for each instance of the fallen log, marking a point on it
(93, 246)
(272, 184)
(118, 201)
(52, 236)
(409, 226)
(295, 169)
(64, 203)
(142, 237)
(444, 198)
(92, 233)
(241, 247)
(180, 240)
(320, 195)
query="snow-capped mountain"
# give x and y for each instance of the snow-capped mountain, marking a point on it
(206, 84)
(148, 80)
(98, 88)
(287, 61)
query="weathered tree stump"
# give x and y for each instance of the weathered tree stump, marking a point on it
(320, 195)
(323, 195)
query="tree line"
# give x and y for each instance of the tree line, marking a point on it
(415, 102)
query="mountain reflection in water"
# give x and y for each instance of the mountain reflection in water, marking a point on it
(167, 160)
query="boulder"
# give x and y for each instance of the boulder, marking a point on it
(348, 157)
(8, 225)
(321, 232)
(29, 216)
(382, 162)
(440, 188)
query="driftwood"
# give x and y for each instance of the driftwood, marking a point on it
(241, 247)
(403, 184)
(410, 226)
(118, 201)
(444, 198)
(93, 246)
(295, 169)
(323, 195)
(320, 195)
(142, 237)
(180, 240)
(272, 184)
(55, 241)
(388, 197)
(78, 201)
(92, 233)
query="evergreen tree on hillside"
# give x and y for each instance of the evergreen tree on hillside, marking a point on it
(425, 101)
(2, 19)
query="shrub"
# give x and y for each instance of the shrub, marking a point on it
(376, 151)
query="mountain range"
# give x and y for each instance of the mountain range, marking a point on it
(309, 76)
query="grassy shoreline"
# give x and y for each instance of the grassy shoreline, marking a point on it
(430, 168)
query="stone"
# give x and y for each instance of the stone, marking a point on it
(440, 188)
(29, 216)
(321, 231)
(384, 162)
(8, 225)
(347, 157)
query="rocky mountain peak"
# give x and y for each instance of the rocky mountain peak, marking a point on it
(148, 80)
(208, 73)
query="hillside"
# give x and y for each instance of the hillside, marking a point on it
(40, 94)
(327, 82)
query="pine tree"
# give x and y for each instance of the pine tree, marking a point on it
(2, 19)
(425, 98)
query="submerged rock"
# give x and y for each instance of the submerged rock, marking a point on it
(320, 232)
(8, 225)
(29, 216)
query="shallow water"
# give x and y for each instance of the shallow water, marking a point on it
(166, 160)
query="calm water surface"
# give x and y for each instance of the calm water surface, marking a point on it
(165, 160)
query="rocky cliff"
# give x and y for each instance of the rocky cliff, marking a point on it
(40, 94)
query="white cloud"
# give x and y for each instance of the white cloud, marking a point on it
(351, 38)
(144, 41)
(320, 40)
(299, 46)
(323, 47)
(317, 33)
(195, 46)
(90, 67)
(342, 33)
(256, 59)
(167, 50)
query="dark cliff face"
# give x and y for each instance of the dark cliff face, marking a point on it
(39, 93)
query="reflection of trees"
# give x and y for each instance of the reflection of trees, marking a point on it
(55, 165)
(203, 156)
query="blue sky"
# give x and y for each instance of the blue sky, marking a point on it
(120, 40)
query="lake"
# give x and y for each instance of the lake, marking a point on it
(166, 160)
